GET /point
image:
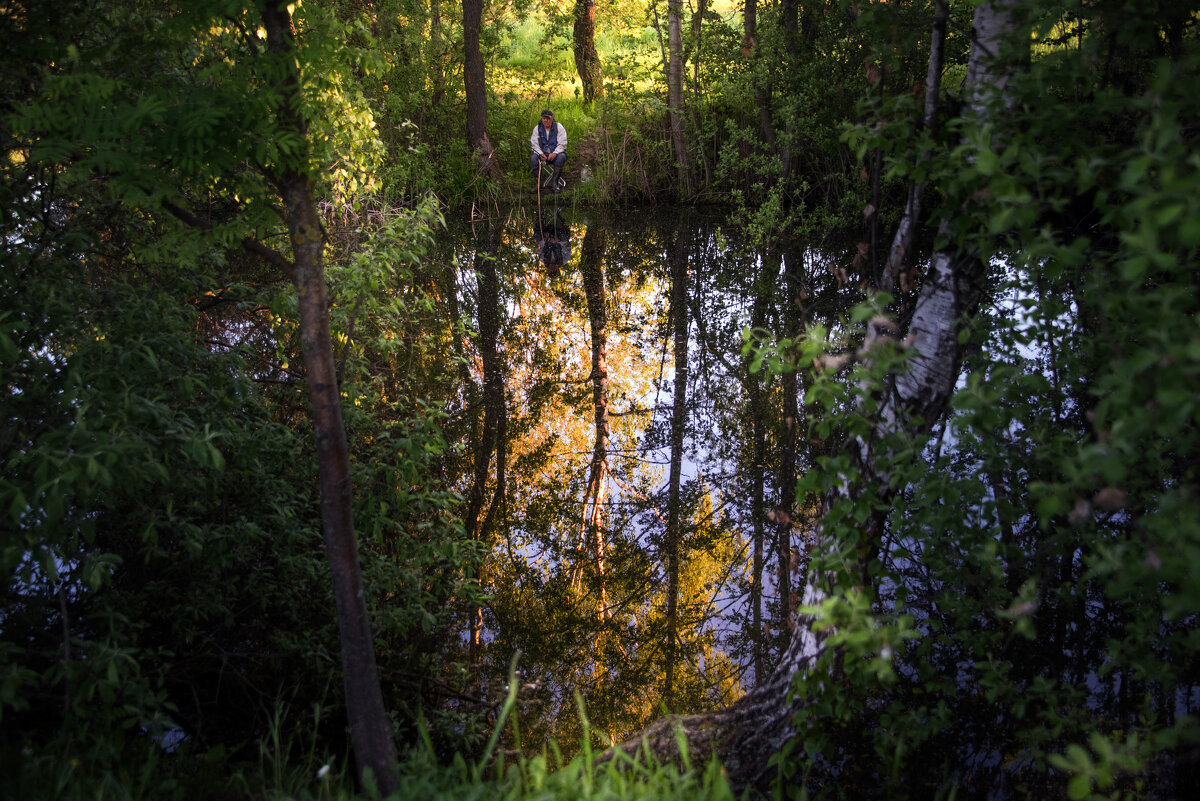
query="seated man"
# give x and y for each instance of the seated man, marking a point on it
(549, 143)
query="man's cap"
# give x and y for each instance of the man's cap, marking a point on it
(547, 113)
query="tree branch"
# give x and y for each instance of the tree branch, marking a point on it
(268, 254)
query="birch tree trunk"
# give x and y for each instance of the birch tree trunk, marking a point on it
(675, 92)
(745, 735)
(693, 51)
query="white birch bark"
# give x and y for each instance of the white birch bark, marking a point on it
(675, 91)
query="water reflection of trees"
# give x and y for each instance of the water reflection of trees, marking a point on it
(643, 548)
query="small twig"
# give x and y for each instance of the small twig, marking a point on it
(66, 632)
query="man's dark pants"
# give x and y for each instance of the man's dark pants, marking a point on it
(558, 161)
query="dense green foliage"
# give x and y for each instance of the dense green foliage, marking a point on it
(1033, 617)
(167, 629)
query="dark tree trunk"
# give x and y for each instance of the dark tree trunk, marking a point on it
(476, 88)
(789, 17)
(370, 730)
(492, 438)
(587, 60)
(792, 269)
(677, 256)
(751, 50)
(758, 474)
(473, 74)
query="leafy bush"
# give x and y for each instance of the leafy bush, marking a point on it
(1029, 630)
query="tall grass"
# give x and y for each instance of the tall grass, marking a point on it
(497, 774)
(500, 774)
(511, 776)
(292, 763)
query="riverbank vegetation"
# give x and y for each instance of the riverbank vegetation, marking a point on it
(850, 452)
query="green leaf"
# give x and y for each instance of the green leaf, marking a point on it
(986, 162)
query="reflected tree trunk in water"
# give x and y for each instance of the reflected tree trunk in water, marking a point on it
(459, 333)
(746, 440)
(492, 437)
(793, 265)
(677, 255)
(591, 541)
(756, 389)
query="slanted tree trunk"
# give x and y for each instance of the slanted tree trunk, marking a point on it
(476, 87)
(587, 60)
(746, 734)
(672, 542)
(370, 731)
(902, 242)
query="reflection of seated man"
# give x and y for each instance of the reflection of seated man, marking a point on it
(553, 243)
(552, 255)
(549, 143)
